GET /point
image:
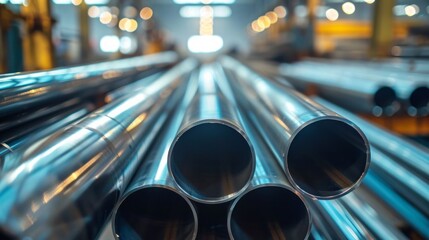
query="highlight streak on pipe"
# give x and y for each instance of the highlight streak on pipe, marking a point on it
(153, 207)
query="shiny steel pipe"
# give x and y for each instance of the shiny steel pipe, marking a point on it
(360, 95)
(406, 152)
(332, 220)
(397, 203)
(77, 174)
(211, 158)
(153, 207)
(27, 136)
(23, 91)
(377, 224)
(270, 208)
(323, 154)
(33, 117)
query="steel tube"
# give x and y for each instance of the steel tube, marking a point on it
(397, 203)
(302, 134)
(270, 208)
(377, 224)
(27, 136)
(77, 174)
(221, 163)
(23, 91)
(333, 221)
(153, 207)
(401, 150)
(360, 95)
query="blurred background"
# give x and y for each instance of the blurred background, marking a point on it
(42, 34)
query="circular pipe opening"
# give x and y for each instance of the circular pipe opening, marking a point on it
(384, 97)
(211, 162)
(419, 98)
(327, 158)
(155, 213)
(269, 212)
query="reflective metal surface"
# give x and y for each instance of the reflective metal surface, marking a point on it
(36, 131)
(414, 157)
(22, 91)
(70, 181)
(153, 207)
(397, 203)
(323, 154)
(374, 221)
(333, 221)
(270, 208)
(211, 158)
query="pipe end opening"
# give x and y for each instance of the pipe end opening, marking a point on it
(384, 97)
(212, 161)
(155, 213)
(420, 97)
(271, 212)
(328, 158)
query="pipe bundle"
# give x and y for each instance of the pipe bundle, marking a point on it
(211, 151)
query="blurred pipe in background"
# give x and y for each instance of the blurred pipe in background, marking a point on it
(23, 91)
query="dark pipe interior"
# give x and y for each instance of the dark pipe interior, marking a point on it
(155, 213)
(269, 213)
(211, 161)
(327, 158)
(384, 97)
(420, 97)
(6, 235)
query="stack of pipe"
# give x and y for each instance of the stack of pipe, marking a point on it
(361, 88)
(216, 151)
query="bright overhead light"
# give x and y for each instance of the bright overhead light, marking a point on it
(412, 10)
(109, 43)
(205, 44)
(280, 11)
(370, 1)
(348, 8)
(332, 14)
(204, 1)
(146, 13)
(195, 11)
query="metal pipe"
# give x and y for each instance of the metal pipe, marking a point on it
(400, 205)
(377, 224)
(153, 207)
(407, 153)
(411, 187)
(411, 89)
(23, 91)
(38, 130)
(28, 119)
(270, 208)
(221, 163)
(302, 134)
(333, 221)
(77, 174)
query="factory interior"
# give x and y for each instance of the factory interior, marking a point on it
(214, 119)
